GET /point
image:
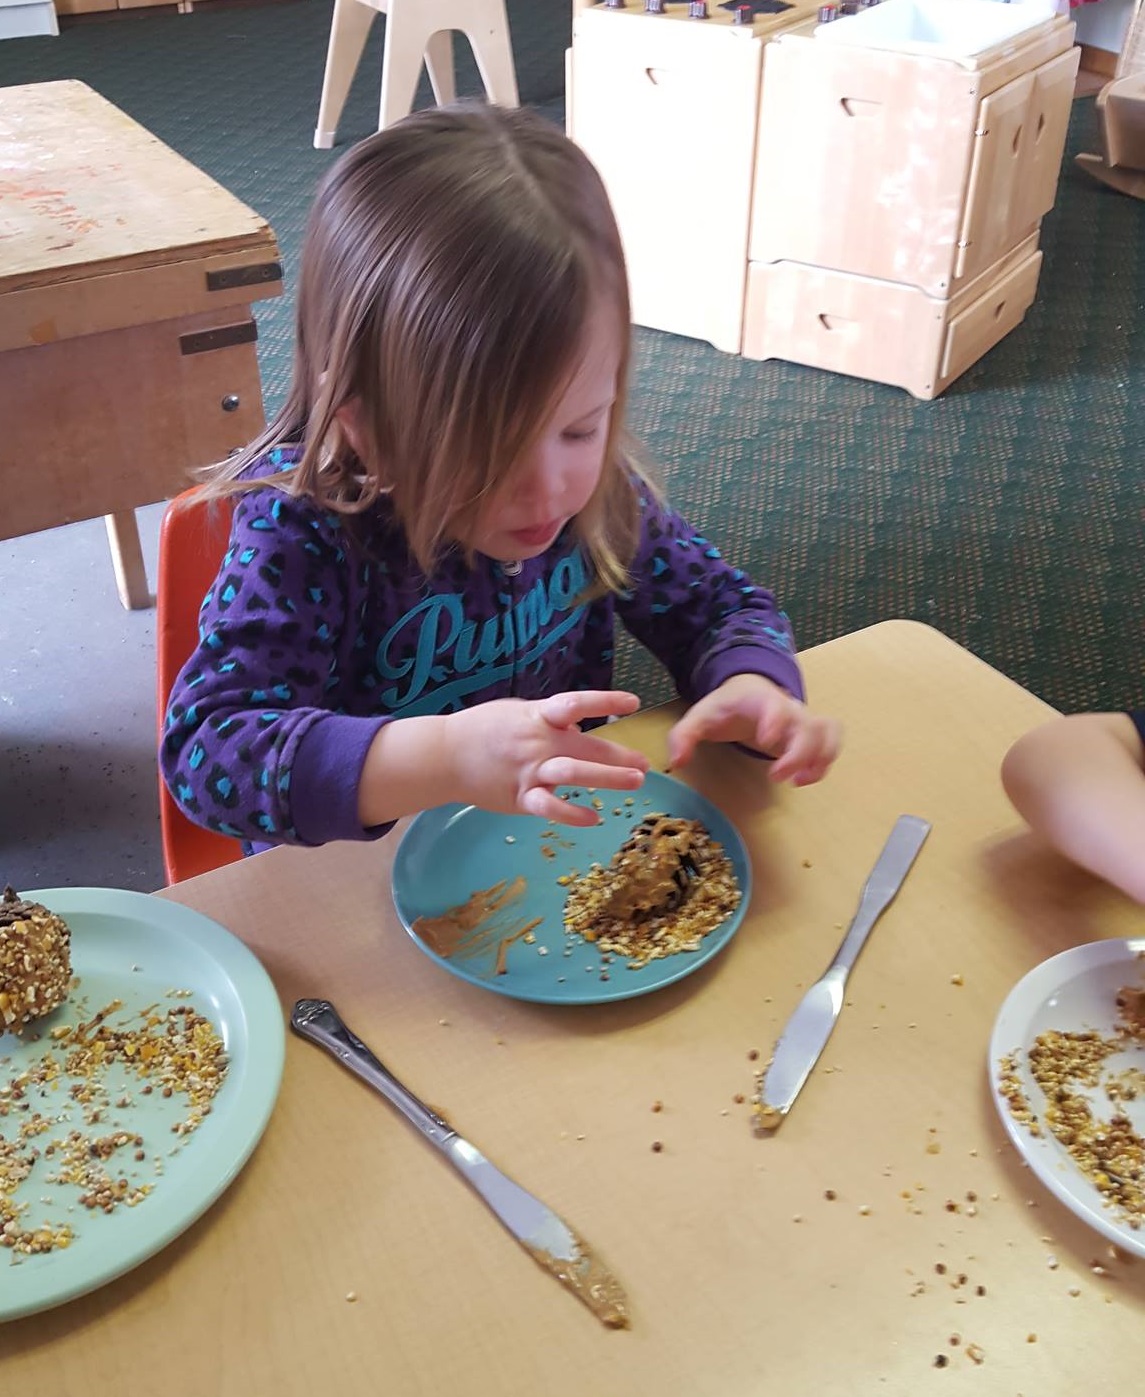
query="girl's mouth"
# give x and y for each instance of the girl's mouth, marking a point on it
(537, 535)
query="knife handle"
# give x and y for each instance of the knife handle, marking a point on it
(318, 1021)
(883, 883)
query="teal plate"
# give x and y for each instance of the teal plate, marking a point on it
(137, 948)
(451, 852)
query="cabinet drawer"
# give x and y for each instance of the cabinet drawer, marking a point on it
(884, 331)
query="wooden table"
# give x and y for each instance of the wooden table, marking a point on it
(127, 343)
(744, 1277)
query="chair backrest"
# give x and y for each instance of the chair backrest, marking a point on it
(192, 540)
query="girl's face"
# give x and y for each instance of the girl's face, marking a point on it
(557, 477)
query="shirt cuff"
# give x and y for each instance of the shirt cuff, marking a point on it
(325, 777)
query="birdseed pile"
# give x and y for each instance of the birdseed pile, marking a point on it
(1110, 1153)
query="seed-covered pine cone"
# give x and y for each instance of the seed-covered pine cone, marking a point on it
(35, 961)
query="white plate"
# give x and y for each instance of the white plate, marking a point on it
(137, 948)
(1072, 992)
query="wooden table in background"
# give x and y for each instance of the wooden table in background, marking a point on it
(744, 1278)
(127, 343)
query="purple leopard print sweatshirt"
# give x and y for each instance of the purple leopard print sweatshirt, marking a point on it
(311, 639)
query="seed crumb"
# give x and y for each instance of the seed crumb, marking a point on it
(976, 1353)
(753, 1055)
(941, 1360)
(657, 1146)
(351, 1296)
(657, 1105)
(1031, 1338)
(830, 1195)
(956, 980)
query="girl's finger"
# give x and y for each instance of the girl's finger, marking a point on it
(774, 726)
(586, 748)
(568, 771)
(540, 801)
(568, 709)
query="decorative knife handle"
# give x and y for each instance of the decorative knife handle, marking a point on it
(883, 883)
(318, 1021)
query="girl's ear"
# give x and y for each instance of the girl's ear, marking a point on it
(349, 419)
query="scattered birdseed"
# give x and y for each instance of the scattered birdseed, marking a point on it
(510, 839)
(956, 980)
(177, 1047)
(830, 1195)
(941, 1360)
(657, 1146)
(351, 1296)
(976, 1353)
(657, 1105)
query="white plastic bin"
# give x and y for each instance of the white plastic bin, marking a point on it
(957, 29)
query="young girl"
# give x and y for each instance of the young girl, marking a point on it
(432, 538)
(1080, 783)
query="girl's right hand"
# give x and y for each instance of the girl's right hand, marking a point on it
(509, 755)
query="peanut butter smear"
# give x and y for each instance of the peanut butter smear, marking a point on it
(589, 1280)
(464, 929)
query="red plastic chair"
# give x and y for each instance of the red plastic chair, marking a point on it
(192, 540)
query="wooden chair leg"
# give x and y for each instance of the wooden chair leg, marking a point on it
(127, 560)
(407, 39)
(489, 38)
(439, 65)
(349, 30)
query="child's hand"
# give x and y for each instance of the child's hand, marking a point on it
(750, 709)
(509, 754)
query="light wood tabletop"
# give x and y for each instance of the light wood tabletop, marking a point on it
(807, 1262)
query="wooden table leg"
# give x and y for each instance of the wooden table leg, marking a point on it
(127, 559)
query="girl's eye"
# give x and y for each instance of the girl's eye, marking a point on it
(582, 436)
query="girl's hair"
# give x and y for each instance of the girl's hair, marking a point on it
(448, 272)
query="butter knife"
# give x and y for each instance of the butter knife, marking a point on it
(807, 1030)
(547, 1239)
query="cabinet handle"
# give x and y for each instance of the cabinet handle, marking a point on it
(859, 106)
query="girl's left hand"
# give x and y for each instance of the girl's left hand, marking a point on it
(752, 710)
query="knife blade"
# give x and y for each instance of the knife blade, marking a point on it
(806, 1032)
(545, 1236)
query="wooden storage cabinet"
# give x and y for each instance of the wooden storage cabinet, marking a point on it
(783, 192)
(667, 109)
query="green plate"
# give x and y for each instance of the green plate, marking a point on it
(137, 948)
(450, 852)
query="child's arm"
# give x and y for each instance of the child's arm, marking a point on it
(727, 646)
(267, 740)
(1079, 781)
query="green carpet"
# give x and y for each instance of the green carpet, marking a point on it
(1007, 513)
